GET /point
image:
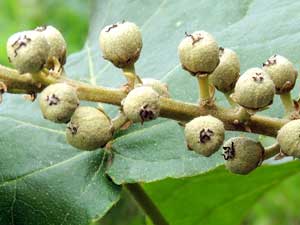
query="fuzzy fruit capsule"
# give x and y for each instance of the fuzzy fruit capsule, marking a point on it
(141, 104)
(56, 41)
(27, 51)
(254, 90)
(204, 135)
(89, 129)
(58, 102)
(227, 72)
(157, 85)
(282, 72)
(242, 154)
(288, 138)
(199, 53)
(121, 43)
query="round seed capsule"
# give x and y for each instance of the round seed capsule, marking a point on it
(57, 43)
(254, 89)
(227, 72)
(27, 51)
(288, 138)
(282, 72)
(242, 154)
(204, 135)
(141, 104)
(199, 53)
(89, 129)
(58, 102)
(121, 43)
(158, 86)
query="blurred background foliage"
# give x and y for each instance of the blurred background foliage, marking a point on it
(69, 16)
(279, 207)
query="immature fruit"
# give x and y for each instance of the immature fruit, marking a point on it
(121, 43)
(282, 72)
(199, 53)
(57, 43)
(58, 102)
(141, 104)
(89, 129)
(27, 51)
(204, 135)
(158, 86)
(227, 72)
(254, 89)
(242, 154)
(288, 138)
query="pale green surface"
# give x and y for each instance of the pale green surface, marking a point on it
(217, 197)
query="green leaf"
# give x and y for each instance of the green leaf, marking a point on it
(216, 197)
(42, 179)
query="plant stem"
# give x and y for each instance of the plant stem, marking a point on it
(131, 76)
(119, 121)
(203, 87)
(169, 108)
(271, 151)
(146, 204)
(287, 102)
(229, 99)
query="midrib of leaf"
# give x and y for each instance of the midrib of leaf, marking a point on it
(29, 124)
(17, 178)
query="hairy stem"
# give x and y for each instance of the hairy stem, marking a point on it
(203, 87)
(131, 76)
(271, 151)
(146, 204)
(229, 99)
(119, 121)
(170, 108)
(287, 102)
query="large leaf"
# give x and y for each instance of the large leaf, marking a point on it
(255, 30)
(42, 179)
(216, 197)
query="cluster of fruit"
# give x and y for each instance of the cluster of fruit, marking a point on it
(89, 128)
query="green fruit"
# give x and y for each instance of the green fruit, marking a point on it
(204, 135)
(282, 72)
(57, 43)
(158, 86)
(288, 138)
(199, 53)
(242, 154)
(121, 43)
(89, 129)
(254, 89)
(227, 72)
(27, 51)
(58, 102)
(141, 104)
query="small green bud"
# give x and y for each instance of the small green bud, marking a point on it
(199, 53)
(89, 129)
(58, 102)
(157, 85)
(282, 72)
(227, 72)
(141, 104)
(121, 43)
(27, 51)
(242, 154)
(204, 135)
(288, 138)
(57, 43)
(254, 90)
